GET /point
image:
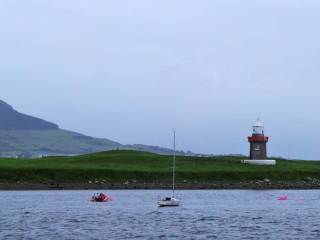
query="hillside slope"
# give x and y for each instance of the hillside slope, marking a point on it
(22, 135)
(11, 119)
(35, 143)
(26, 136)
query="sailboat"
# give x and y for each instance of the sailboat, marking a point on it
(171, 201)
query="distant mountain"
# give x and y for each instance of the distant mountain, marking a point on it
(34, 143)
(10, 119)
(26, 136)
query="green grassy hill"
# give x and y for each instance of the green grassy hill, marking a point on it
(133, 166)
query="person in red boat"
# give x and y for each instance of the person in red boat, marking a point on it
(100, 197)
(103, 197)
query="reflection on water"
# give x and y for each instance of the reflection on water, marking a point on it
(227, 214)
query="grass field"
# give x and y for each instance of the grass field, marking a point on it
(121, 166)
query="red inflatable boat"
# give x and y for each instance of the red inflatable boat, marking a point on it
(101, 197)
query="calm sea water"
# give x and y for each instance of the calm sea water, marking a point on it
(222, 214)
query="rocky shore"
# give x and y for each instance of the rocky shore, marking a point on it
(254, 185)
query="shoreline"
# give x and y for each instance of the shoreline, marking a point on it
(156, 186)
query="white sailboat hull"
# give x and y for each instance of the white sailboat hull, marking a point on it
(169, 202)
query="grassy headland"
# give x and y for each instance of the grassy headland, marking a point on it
(132, 169)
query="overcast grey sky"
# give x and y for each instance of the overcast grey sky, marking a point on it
(132, 70)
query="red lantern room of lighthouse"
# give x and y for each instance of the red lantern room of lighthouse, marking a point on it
(258, 142)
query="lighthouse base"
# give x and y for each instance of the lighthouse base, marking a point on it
(260, 162)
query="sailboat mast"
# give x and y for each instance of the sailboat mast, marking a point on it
(174, 161)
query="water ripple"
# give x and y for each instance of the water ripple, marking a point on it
(226, 214)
